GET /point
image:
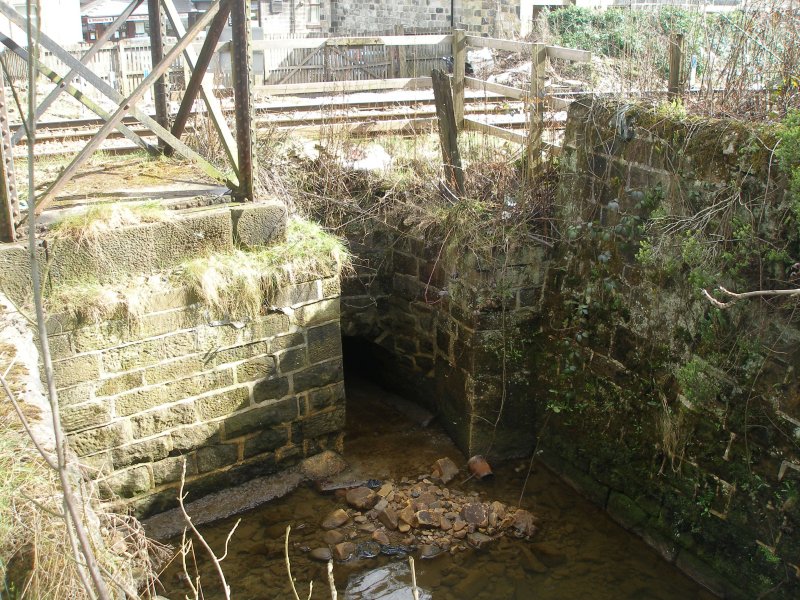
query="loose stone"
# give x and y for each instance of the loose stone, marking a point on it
(335, 519)
(333, 537)
(344, 550)
(321, 554)
(380, 537)
(361, 498)
(474, 514)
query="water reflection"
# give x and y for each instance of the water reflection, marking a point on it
(578, 553)
(389, 582)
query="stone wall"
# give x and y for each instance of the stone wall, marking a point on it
(495, 18)
(446, 338)
(233, 400)
(679, 418)
(381, 16)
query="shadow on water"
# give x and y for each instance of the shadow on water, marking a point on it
(578, 552)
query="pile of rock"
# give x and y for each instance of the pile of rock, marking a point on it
(418, 515)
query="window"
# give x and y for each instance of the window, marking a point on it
(255, 12)
(141, 30)
(314, 12)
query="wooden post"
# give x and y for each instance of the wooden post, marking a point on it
(448, 133)
(326, 62)
(157, 53)
(402, 70)
(459, 60)
(675, 86)
(122, 64)
(538, 63)
(242, 60)
(9, 204)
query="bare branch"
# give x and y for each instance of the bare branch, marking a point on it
(331, 581)
(740, 296)
(289, 564)
(414, 590)
(226, 588)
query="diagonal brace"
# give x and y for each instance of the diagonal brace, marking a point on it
(54, 93)
(114, 95)
(119, 114)
(199, 68)
(72, 91)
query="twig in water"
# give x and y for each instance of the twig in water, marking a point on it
(331, 582)
(289, 567)
(414, 590)
(216, 560)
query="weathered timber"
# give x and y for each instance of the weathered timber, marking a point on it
(568, 54)
(506, 90)
(506, 134)
(98, 44)
(538, 63)
(337, 87)
(675, 85)
(158, 70)
(498, 44)
(199, 66)
(448, 133)
(459, 68)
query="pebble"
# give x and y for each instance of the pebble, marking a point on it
(361, 498)
(388, 518)
(321, 554)
(404, 527)
(429, 551)
(335, 519)
(333, 537)
(474, 514)
(380, 537)
(426, 518)
(344, 550)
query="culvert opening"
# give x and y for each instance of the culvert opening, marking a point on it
(372, 370)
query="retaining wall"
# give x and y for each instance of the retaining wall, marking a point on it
(232, 400)
(679, 418)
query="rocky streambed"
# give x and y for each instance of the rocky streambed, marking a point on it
(420, 516)
(573, 550)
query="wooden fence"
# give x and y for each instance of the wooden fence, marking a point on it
(285, 60)
(122, 64)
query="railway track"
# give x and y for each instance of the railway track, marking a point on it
(304, 116)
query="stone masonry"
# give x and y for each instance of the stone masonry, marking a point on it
(445, 341)
(230, 400)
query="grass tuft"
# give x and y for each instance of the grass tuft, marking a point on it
(101, 218)
(239, 283)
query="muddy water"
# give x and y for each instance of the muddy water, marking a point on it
(579, 553)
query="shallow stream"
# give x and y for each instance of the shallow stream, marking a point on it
(578, 553)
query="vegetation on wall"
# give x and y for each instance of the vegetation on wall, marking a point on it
(690, 394)
(232, 285)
